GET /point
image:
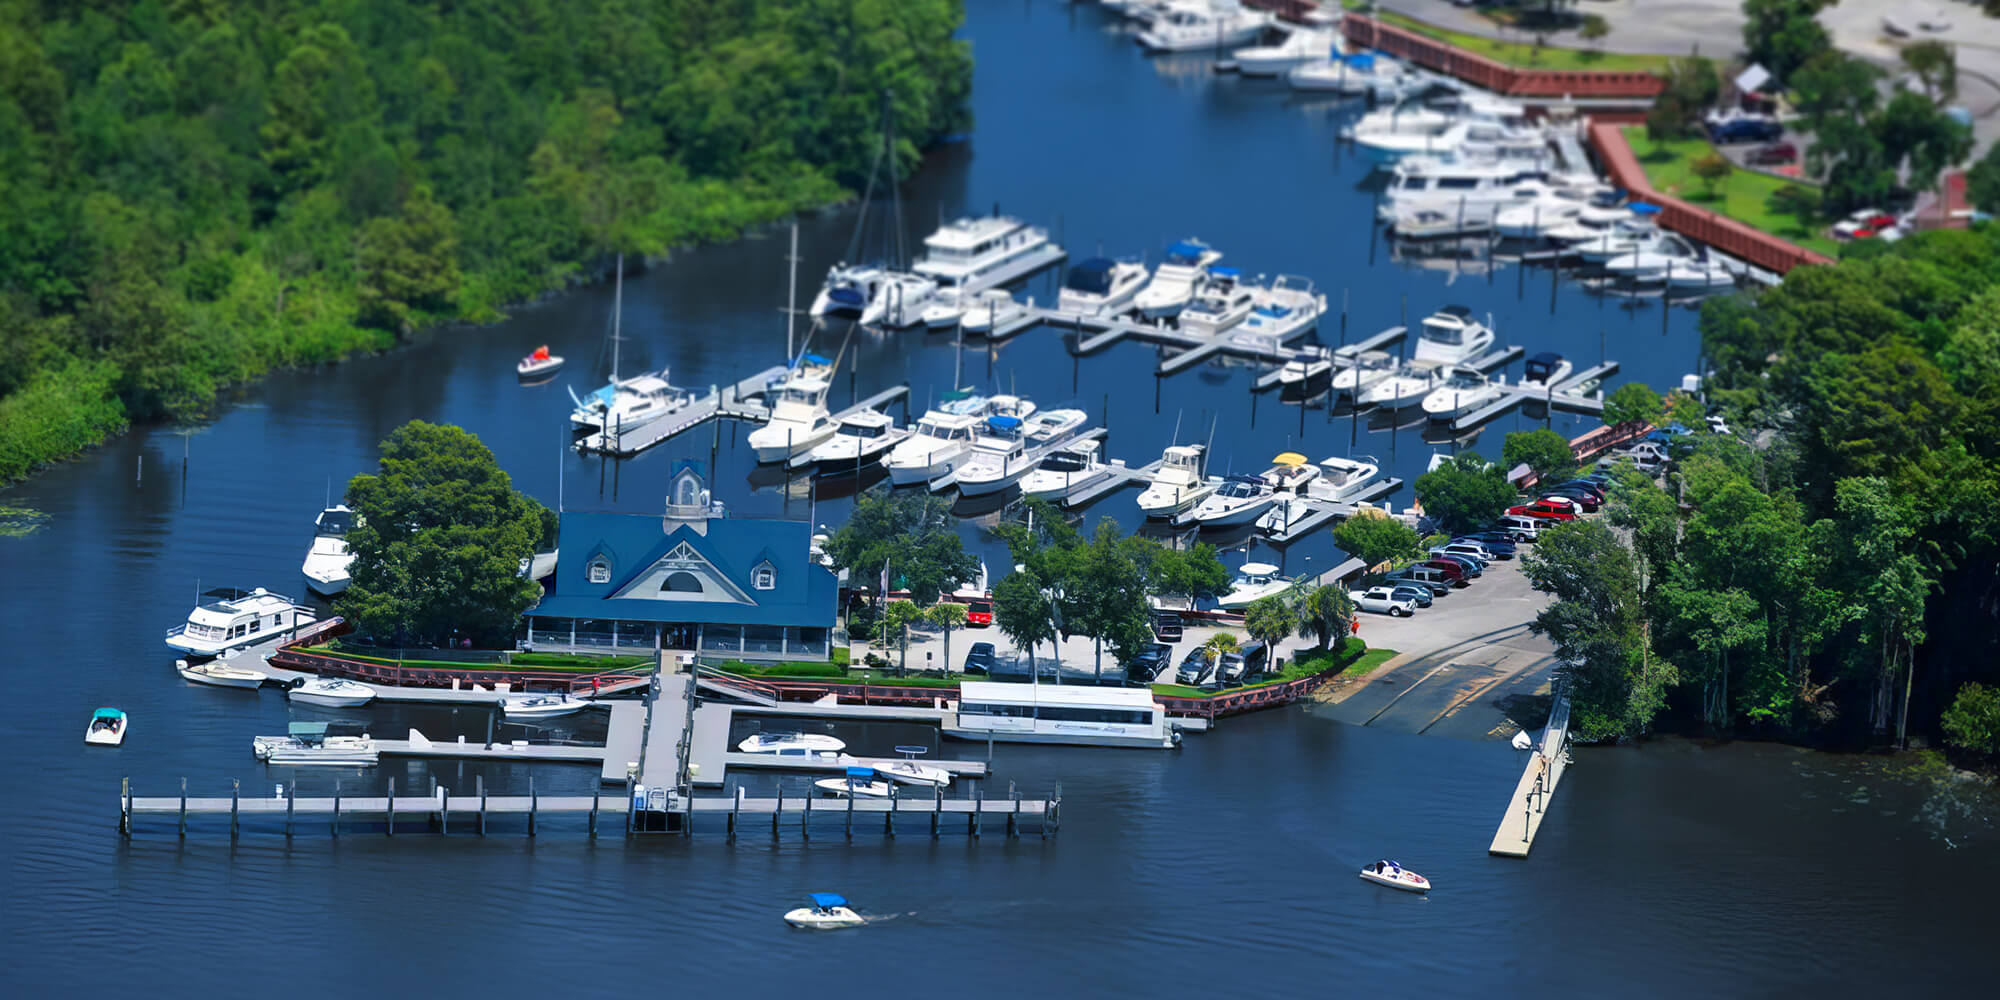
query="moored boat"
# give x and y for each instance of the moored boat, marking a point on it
(228, 618)
(218, 673)
(332, 692)
(541, 706)
(1254, 582)
(1178, 484)
(328, 560)
(790, 744)
(1185, 266)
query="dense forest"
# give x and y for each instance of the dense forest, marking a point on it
(197, 191)
(1825, 570)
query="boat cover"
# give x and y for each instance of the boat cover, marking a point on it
(1186, 253)
(1003, 422)
(827, 900)
(1093, 275)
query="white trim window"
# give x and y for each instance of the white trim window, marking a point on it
(764, 577)
(599, 570)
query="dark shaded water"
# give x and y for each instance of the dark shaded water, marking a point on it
(1675, 869)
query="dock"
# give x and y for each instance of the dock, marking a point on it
(1119, 478)
(463, 749)
(1564, 395)
(1103, 331)
(1031, 457)
(1322, 512)
(1529, 803)
(1338, 356)
(728, 400)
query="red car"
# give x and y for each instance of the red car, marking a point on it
(978, 613)
(1773, 154)
(1452, 571)
(1545, 510)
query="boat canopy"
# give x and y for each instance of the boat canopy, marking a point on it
(306, 730)
(1225, 272)
(1093, 275)
(811, 359)
(861, 772)
(1542, 364)
(1644, 208)
(1290, 458)
(1359, 60)
(1186, 253)
(107, 713)
(1003, 422)
(827, 900)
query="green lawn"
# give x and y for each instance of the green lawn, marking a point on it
(549, 662)
(1524, 54)
(1744, 195)
(1368, 661)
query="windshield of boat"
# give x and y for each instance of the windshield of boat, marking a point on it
(862, 430)
(1240, 490)
(1063, 462)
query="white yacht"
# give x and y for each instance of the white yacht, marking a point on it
(1299, 46)
(317, 743)
(855, 786)
(791, 744)
(1307, 367)
(1053, 426)
(1636, 231)
(1651, 262)
(1101, 286)
(332, 692)
(1350, 75)
(1178, 484)
(1221, 302)
(542, 706)
(1451, 335)
(1238, 500)
(623, 404)
(848, 289)
(1191, 25)
(1009, 448)
(1060, 713)
(1709, 273)
(910, 772)
(1405, 386)
(1391, 132)
(946, 308)
(990, 310)
(1070, 469)
(1342, 479)
(940, 439)
(327, 559)
(1254, 582)
(900, 301)
(228, 619)
(799, 419)
(1462, 391)
(219, 673)
(1465, 190)
(1291, 472)
(1288, 305)
(1356, 373)
(1544, 371)
(862, 438)
(1185, 266)
(1465, 141)
(1537, 217)
(982, 253)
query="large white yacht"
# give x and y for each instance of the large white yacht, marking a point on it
(848, 289)
(1409, 383)
(1300, 45)
(944, 435)
(1389, 131)
(1068, 470)
(1221, 302)
(900, 301)
(1009, 448)
(1192, 25)
(1451, 335)
(1086, 715)
(861, 438)
(1463, 391)
(624, 404)
(977, 254)
(1239, 500)
(1473, 190)
(1178, 484)
(228, 618)
(799, 418)
(1353, 75)
(1538, 217)
(1466, 140)
(1185, 266)
(1353, 375)
(1101, 286)
(327, 561)
(1286, 306)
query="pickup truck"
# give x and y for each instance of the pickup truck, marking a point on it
(1383, 601)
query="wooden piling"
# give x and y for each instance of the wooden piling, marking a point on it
(978, 806)
(334, 830)
(235, 798)
(937, 808)
(534, 804)
(850, 808)
(443, 803)
(389, 820)
(125, 814)
(735, 807)
(889, 818)
(184, 808)
(806, 819)
(594, 794)
(291, 802)
(778, 812)
(631, 807)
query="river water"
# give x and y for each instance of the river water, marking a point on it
(1671, 869)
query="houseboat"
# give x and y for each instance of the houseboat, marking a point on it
(977, 254)
(1054, 713)
(228, 618)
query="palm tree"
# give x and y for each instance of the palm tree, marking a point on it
(1326, 612)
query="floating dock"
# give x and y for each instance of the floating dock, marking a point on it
(1565, 395)
(1322, 512)
(1120, 478)
(725, 401)
(1529, 803)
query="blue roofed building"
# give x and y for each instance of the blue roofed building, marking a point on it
(690, 579)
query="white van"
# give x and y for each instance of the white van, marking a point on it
(1523, 528)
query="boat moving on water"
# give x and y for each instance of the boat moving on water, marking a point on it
(539, 364)
(107, 728)
(828, 912)
(1395, 876)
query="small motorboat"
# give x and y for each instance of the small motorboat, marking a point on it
(539, 363)
(990, 310)
(219, 674)
(1306, 367)
(1254, 582)
(1395, 876)
(1067, 470)
(542, 706)
(872, 788)
(909, 772)
(828, 912)
(332, 692)
(791, 744)
(318, 744)
(107, 727)
(1545, 371)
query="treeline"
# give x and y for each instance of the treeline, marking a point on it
(194, 192)
(1827, 570)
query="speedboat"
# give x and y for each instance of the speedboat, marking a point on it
(1462, 391)
(1451, 335)
(332, 692)
(1185, 266)
(909, 772)
(827, 912)
(1290, 472)
(873, 788)
(107, 728)
(790, 744)
(1544, 371)
(1651, 262)
(1190, 26)
(1342, 479)
(538, 364)
(1279, 310)
(1349, 75)
(1434, 117)
(1178, 485)
(944, 435)
(218, 673)
(1053, 426)
(946, 308)
(861, 438)
(1631, 234)
(977, 254)
(900, 301)
(1300, 45)
(1710, 273)
(1069, 469)
(1254, 582)
(1406, 385)
(318, 743)
(1221, 302)
(327, 560)
(228, 618)
(1358, 372)
(1395, 876)
(1306, 367)
(1237, 501)
(1433, 223)
(1536, 217)
(799, 419)
(848, 289)
(541, 706)
(1101, 286)
(990, 310)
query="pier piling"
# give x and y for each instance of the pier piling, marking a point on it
(389, 815)
(235, 803)
(594, 794)
(780, 811)
(534, 805)
(291, 802)
(333, 828)
(937, 808)
(889, 818)
(806, 819)
(125, 814)
(184, 808)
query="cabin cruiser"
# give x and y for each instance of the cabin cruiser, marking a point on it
(1474, 190)
(1101, 286)
(1010, 448)
(1433, 118)
(1305, 368)
(1053, 426)
(861, 438)
(1545, 371)
(331, 692)
(318, 743)
(1342, 480)
(1462, 391)
(1438, 223)
(1539, 216)
(799, 419)
(944, 435)
(848, 289)
(1636, 231)
(1451, 336)
(219, 673)
(1084, 715)
(1464, 141)
(1406, 385)
(900, 301)
(1651, 263)
(1254, 582)
(1299, 46)
(1185, 266)
(1395, 876)
(1281, 309)
(982, 253)
(327, 560)
(1178, 485)
(1290, 472)
(1067, 470)
(827, 912)
(791, 744)
(106, 728)
(1191, 26)
(1706, 273)
(624, 404)
(1349, 75)
(228, 619)
(1221, 302)
(1238, 500)
(1360, 371)
(542, 706)
(990, 310)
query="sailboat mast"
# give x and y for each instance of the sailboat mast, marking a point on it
(792, 296)
(617, 314)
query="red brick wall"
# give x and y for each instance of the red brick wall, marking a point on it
(1497, 76)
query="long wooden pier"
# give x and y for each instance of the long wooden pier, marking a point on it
(1530, 801)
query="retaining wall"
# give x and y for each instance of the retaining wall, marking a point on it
(1497, 76)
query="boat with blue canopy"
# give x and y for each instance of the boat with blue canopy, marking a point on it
(829, 911)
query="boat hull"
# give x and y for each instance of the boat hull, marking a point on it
(1237, 516)
(1408, 882)
(1079, 739)
(807, 918)
(527, 371)
(227, 678)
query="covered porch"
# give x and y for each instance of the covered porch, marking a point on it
(747, 642)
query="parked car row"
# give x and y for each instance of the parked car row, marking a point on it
(1204, 667)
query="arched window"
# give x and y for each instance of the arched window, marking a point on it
(599, 570)
(765, 578)
(682, 583)
(688, 492)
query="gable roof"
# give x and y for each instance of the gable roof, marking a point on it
(804, 596)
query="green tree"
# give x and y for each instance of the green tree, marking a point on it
(1833, 85)
(1713, 169)
(1634, 403)
(408, 263)
(1221, 642)
(1921, 140)
(1326, 612)
(1935, 65)
(1982, 182)
(1543, 451)
(1617, 685)
(1781, 35)
(439, 540)
(1192, 574)
(1023, 613)
(1595, 27)
(1972, 723)
(1269, 620)
(1104, 597)
(1466, 493)
(897, 618)
(912, 535)
(1798, 201)
(948, 618)
(1374, 537)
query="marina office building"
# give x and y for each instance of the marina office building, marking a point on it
(691, 579)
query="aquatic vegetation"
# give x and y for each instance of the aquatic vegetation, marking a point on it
(19, 522)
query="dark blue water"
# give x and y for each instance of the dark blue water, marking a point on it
(1669, 870)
